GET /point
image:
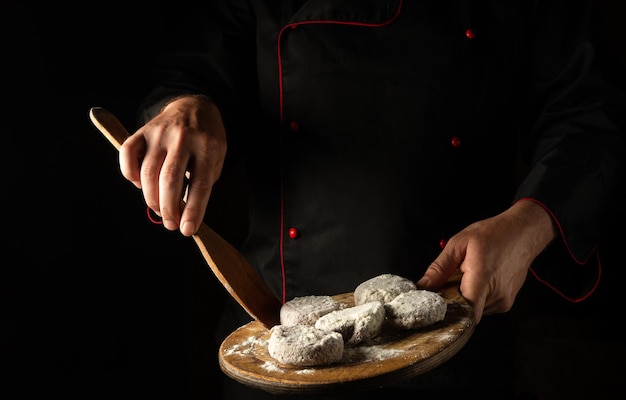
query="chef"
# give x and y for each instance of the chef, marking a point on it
(390, 136)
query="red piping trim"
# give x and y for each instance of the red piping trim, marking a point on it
(154, 219)
(280, 93)
(569, 250)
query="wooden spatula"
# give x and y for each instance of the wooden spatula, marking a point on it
(227, 263)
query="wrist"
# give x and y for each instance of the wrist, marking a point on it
(537, 220)
(188, 99)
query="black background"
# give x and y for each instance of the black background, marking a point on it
(94, 298)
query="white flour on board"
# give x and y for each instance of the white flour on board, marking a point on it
(246, 347)
(370, 351)
(357, 354)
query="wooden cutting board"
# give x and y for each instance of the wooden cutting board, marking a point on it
(390, 358)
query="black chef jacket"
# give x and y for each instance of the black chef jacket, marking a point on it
(373, 130)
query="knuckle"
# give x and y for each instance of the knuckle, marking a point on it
(169, 211)
(149, 171)
(437, 267)
(201, 183)
(171, 173)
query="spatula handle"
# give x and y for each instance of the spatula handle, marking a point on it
(109, 126)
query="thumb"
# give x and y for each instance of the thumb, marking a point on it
(441, 269)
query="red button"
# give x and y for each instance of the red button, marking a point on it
(455, 142)
(442, 243)
(469, 33)
(294, 126)
(293, 233)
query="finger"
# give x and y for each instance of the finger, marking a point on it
(171, 183)
(150, 171)
(443, 267)
(131, 155)
(198, 194)
(475, 290)
(201, 180)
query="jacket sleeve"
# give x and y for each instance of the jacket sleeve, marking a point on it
(211, 53)
(573, 142)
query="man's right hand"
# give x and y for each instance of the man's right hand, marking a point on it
(186, 139)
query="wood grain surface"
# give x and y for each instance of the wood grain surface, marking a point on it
(390, 358)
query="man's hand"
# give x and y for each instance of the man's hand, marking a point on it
(494, 256)
(186, 139)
